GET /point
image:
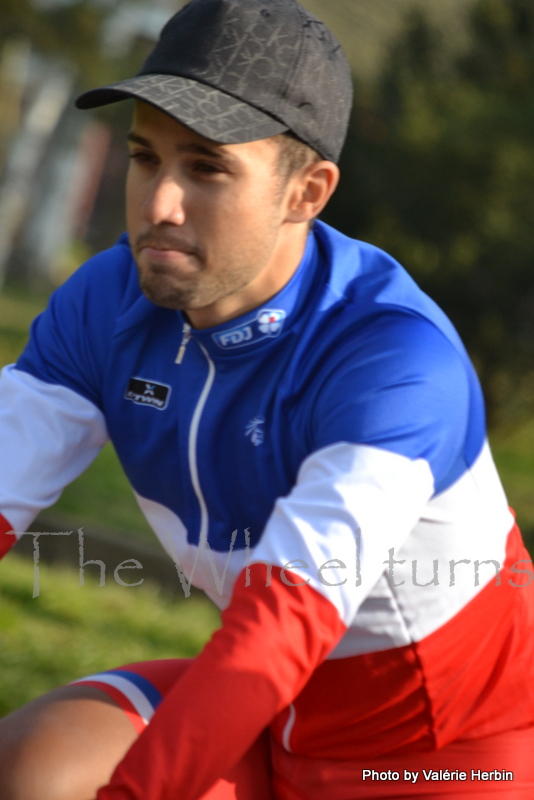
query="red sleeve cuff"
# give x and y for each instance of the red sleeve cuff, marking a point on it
(7, 540)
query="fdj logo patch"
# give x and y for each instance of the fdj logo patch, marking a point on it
(267, 325)
(148, 393)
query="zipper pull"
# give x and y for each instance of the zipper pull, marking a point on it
(186, 335)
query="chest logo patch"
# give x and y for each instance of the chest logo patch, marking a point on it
(267, 325)
(148, 393)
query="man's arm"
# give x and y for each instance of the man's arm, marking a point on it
(49, 435)
(51, 419)
(271, 640)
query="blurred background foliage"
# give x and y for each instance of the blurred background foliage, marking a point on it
(439, 170)
(75, 32)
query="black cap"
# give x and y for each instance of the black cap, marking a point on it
(239, 70)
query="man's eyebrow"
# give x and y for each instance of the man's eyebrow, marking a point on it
(192, 147)
(136, 139)
(202, 150)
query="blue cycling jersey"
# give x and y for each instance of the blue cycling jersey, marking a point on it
(350, 350)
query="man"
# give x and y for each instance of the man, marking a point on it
(305, 433)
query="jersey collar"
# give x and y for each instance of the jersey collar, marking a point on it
(267, 324)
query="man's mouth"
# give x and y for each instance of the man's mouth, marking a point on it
(164, 252)
(166, 248)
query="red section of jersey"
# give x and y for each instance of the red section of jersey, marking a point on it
(271, 641)
(478, 667)
(508, 754)
(363, 706)
(7, 540)
(469, 679)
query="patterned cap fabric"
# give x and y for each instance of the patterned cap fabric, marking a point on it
(239, 70)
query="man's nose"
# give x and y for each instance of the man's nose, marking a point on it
(165, 203)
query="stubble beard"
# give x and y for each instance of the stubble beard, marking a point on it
(231, 274)
(203, 291)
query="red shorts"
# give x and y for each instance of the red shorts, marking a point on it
(497, 767)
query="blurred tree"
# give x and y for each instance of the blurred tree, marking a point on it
(69, 32)
(84, 43)
(439, 170)
(74, 33)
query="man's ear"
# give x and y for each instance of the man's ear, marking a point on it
(310, 190)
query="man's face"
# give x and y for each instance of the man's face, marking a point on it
(204, 219)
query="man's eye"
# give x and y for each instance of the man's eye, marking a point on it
(207, 167)
(142, 157)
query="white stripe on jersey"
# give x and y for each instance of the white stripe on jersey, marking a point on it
(469, 521)
(50, 435)
(343, 492)
(345, 487)
(289, 727)
(339, 488)
(197, 568)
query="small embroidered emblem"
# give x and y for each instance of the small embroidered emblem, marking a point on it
(255, 431)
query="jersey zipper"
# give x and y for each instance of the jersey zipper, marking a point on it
(193, 442)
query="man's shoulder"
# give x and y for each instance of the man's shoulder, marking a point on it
(71, 340)
(386, 365)
(368, 290)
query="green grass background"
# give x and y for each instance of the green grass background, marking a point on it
(69, 631)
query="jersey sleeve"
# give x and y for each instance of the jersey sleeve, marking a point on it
(51, 420)
(49, 435)
(383, 440)
(70, 342)
(271, 640)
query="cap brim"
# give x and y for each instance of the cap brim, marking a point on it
(211, 113)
